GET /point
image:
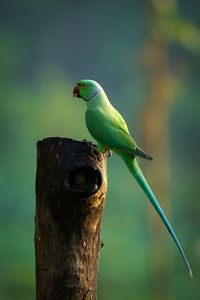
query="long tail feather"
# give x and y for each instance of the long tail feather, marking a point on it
(137, 173)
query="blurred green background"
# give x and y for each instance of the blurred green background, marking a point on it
(146, 55)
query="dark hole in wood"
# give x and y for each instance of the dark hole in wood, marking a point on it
(84, 180)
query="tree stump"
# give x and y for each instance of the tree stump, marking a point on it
(71, 184)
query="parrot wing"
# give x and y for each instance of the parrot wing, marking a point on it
(110, 129)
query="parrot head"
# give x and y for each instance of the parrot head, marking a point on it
(86, 89)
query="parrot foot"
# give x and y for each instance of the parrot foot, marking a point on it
(108, 153)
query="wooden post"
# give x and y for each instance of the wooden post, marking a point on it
(71, 184)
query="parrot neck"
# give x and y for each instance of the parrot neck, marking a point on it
(99, 99)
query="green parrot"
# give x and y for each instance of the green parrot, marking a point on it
(109, 129)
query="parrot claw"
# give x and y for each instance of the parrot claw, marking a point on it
(108, 153)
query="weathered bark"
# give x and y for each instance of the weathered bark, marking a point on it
(70, 196)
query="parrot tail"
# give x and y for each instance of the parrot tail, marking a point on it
(135, 170)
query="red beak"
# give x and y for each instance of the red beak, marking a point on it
(76, 92)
